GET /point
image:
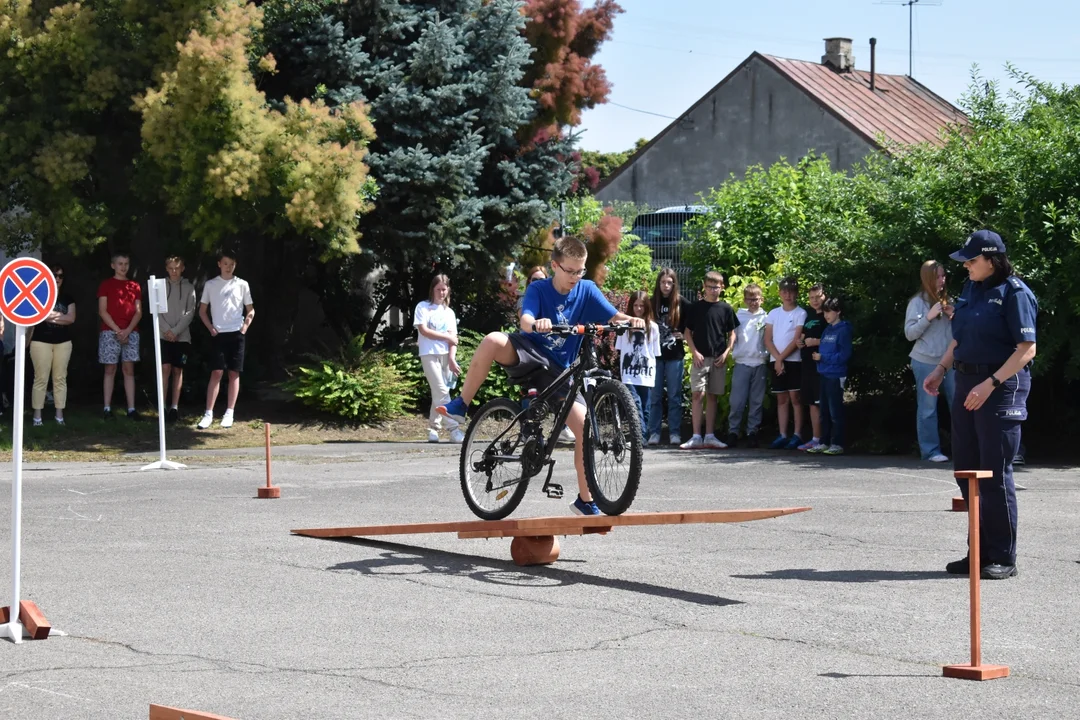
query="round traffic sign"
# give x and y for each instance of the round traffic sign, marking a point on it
(27, 291)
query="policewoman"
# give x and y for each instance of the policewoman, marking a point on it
(993, 345)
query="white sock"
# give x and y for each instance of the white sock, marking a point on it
(172, 407)
(710, 435)
(229, 411)
(131, 410)
(108, 409)
(816, 440)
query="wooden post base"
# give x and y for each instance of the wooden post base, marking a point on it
(32, 619)
(270, 492)
(542, 550)
(164, 712)
(959, 504)
(975, 672)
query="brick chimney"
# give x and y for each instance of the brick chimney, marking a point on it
(838, 54)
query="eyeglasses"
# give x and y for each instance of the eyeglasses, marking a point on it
(59, 276)
(573, 273)
(714, 287)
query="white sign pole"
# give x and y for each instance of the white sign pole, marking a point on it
(13, 629)
(158, 304)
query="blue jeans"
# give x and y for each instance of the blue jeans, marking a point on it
(831, 410)
(926, 416)
(669, 374)
(640, 393)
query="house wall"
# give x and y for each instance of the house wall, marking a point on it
(757, 116)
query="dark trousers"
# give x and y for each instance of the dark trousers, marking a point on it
(987, 439)
(640, 393)
(831, 410)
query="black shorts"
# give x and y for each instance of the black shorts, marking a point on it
(534, 369)
(174, 353)
(790, 381)
(227, 351)
(811, 383)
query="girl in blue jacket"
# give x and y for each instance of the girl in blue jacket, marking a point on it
(832, 358)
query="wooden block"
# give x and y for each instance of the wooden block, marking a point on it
(959, 504)
(270, 492)
(34, 620)
(163, 712)
(975, 672)
(968, 474)
(534, 550)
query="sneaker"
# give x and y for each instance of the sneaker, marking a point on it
(580, 507)
(172, 415)
(227, 420)
(456, 410)
(133, 415)
(60, 421)
(996, 571)
(108, 415)
(732, 440)
(794, 442)
(432, 436)
(693, 443)
(37, 422)
(752, 440)
(938, 458)
(207, 418)
(818, 449)
(566, 435)
(675, 440)
(456, 436)
(806, 446)
(833, 450)
(1018, 459)
(780, 442)
(711, 441)
(654, 439)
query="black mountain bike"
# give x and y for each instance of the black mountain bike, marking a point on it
(506, 446)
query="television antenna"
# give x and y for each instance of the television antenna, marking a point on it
(911, 16)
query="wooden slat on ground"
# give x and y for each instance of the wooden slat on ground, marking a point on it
(163, 712)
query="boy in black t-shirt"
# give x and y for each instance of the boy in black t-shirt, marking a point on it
(808, 343)
(710, 334)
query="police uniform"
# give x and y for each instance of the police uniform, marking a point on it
(988, 323)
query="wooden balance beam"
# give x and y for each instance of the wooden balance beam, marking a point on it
(534, 541)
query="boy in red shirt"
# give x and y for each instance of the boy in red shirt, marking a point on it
(120, 309)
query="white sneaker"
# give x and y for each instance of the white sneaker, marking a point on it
(456, 436)
(207, 418)
(693, 443)
(654, 439)
(226, 420)
(675, 440)
(711, 441)
(939, 458)
(432, 436)
(567, 436)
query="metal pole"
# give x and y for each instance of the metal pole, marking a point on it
(910, 18)
(160, 380)
(14, 627)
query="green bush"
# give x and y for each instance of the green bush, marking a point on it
(360, 385)
(631, 268)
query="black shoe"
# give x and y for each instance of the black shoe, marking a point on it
(732, 440)
(172, 415)
(133, 415)
(108, 415)
(751, 440)
(962, 566)
(996, 571)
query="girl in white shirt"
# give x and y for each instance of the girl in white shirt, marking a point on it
(638, 350)
(437, 337)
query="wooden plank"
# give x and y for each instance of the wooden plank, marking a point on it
(163, 712)
(32, 619)
(560, 525)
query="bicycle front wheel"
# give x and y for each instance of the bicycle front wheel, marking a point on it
(612, 448)
(491, 469)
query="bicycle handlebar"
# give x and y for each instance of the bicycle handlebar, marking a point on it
(589, 329)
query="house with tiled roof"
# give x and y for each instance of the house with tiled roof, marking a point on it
(770, 107)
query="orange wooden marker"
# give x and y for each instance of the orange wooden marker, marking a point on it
(269, 491)
(163, 712)
(976, 670)
(32, 619)
(958, 504)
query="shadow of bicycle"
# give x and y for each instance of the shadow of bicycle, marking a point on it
(406, 560)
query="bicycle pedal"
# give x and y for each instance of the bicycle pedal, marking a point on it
(554, 491)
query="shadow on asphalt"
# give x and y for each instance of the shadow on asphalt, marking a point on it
(402, 559)
(849, 576)
(844, 676)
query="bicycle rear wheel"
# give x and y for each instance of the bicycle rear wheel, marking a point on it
(492, 484)
(613, 454)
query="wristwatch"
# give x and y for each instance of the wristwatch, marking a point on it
(994, 380)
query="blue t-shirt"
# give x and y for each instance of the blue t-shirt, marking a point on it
(583, 304)
(990, 320)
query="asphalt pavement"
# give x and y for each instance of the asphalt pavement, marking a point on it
(180, 588)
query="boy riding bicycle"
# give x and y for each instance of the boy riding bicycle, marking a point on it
(563, 299)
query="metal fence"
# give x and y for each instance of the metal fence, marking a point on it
(664, 231)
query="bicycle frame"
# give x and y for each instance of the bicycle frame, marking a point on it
(581, 371)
